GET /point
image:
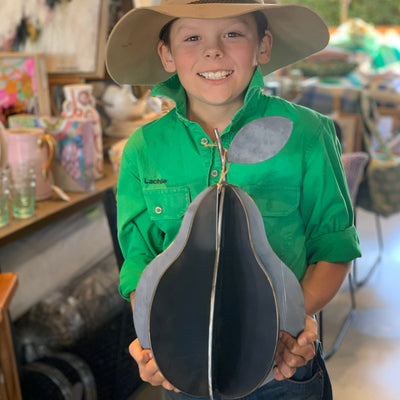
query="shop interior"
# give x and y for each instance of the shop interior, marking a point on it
(64, 329)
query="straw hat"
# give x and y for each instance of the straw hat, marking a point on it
(132, 58)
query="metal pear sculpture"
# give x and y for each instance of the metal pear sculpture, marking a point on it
(210, 307)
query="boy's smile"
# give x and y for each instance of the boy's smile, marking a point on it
(215, 59)
(215, 75)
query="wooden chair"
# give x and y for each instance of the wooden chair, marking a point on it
(9, 379)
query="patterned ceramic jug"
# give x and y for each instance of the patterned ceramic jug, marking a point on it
(79, 103)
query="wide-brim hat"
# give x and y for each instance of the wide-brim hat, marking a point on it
(132, 58)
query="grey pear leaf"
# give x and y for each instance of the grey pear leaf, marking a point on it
(260, 140)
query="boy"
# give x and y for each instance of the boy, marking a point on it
(217, 52)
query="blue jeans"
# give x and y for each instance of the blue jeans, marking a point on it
(310, 382)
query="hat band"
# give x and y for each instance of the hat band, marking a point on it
(226, 2)
(182, 2)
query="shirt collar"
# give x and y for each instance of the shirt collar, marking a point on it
(173, 89)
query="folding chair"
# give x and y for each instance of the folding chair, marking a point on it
(354, 165)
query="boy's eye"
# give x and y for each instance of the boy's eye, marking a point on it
(233, 34)
(192, 38)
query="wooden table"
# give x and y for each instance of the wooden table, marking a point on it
(48, 211)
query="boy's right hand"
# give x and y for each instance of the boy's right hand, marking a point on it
(148, 369)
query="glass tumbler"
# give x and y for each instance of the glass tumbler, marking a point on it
(22, 189)
(4, 191)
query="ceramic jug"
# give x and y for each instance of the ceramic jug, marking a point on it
(79, 103)
(33, 146)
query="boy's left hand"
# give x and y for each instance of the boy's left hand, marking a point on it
(293, 353)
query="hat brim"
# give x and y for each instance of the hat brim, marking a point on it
(131, 54)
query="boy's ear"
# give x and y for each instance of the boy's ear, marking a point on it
(264, 53)
(166, 58)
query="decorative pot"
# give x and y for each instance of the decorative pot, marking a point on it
(80, 103)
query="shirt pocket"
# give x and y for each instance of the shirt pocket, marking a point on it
(167, 207)
(275, 201)
(284, 227)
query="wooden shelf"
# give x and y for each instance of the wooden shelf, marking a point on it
(48, 211)
(9, 386)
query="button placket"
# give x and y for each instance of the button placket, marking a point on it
(158, 210)
(214, 173)
(215, 165)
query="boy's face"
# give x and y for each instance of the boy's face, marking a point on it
(215, 59)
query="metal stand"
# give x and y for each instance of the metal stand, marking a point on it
(354, 284)
(345, 325)
(362, 282)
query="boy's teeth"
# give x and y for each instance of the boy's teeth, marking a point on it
(215, 75)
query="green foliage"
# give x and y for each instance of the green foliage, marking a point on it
(376, 12)
(382, 12)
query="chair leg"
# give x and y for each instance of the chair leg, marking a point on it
(125, 330)
(110, 207)
(359, 283)
(354, 284)
(346, 323)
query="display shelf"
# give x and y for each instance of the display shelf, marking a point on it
(48, 211)
(9, 384)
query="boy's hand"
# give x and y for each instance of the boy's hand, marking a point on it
(148, 369)
(293, 353)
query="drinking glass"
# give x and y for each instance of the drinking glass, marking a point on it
(4, 191)
(22, 189)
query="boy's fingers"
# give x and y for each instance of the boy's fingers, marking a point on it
(148, 369)
(292, 360)
(137, 352)
(277, 374)
(287, 340)
(305, 351)
(168, 386)
(158, 379)
(310, 333)
(283, 371)
(149, 372)
(287, 362)
(135, 348)
(291, 354)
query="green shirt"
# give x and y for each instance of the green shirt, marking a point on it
(301, 192)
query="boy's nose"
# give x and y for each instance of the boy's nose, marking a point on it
(213, 52)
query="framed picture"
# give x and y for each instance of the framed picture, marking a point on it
(23, 85)
(71, 34)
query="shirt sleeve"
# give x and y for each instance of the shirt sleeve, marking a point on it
(326, 206)
(140, 240)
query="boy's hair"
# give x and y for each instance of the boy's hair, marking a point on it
(260, 18)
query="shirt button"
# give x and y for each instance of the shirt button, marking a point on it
(204, 141)
(214, 173)
(158, 210)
